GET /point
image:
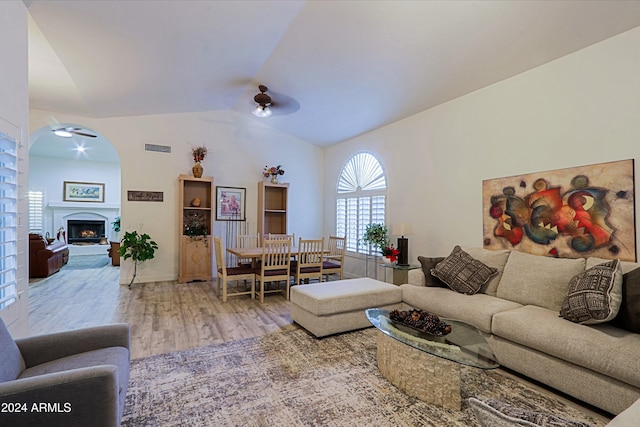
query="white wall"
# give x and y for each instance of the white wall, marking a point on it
(14, 107)
(578, 110)
(239, 148)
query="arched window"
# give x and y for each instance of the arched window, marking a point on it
(361, 199)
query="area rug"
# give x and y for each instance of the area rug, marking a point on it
(83, 262)
(293, 379)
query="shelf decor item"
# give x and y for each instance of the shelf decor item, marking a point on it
(273, 172)
(198, 153)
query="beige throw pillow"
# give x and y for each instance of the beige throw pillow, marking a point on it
(594, 295)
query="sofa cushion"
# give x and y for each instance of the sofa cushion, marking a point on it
(495, 413)
(538, 280)
(496, 259)
(476, 310)
(594, 295)
(602, 348)
(427, 264)
(462, 273)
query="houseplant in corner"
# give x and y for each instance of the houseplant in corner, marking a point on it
(138, 247)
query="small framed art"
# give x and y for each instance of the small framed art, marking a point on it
(83, 192)
(230, 203)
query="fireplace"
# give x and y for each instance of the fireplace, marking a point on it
(85, 231)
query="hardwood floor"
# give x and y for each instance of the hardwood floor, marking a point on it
(167, 316)
(164, 316)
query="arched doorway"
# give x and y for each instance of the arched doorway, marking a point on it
(74, 175)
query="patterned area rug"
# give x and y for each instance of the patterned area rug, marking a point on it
(83, 262)
(293, 379)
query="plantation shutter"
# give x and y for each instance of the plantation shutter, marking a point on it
(8, 219)
(36, 211)
(361, 199)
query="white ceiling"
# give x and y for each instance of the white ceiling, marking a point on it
(352, 66)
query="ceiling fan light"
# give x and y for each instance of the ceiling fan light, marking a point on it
(63, 133)
(261, 111)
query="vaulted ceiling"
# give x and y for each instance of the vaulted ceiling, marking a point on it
(343, 67)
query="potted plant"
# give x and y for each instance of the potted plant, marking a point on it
(376, 236)
(138, 247)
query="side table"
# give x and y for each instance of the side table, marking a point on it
(400, 272)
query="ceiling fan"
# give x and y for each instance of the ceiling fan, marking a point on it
(69, 131)
(279, 105)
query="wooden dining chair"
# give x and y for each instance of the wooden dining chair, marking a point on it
(291, 237)
(334, 260)
(308, 262)
(247, 241)
(233, 274)
(275, 265)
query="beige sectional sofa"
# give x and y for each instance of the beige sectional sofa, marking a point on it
(518, 311)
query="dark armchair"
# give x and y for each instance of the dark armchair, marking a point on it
(73, 378)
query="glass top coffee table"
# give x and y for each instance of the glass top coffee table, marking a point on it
(428, 366)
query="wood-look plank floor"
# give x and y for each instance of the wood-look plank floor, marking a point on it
(164, 316)
(168, 316)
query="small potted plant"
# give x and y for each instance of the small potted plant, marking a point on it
(138, 247)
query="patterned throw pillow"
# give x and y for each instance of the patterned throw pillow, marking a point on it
(427, 264)
(494, 413)
(463, 273)
(594, 295)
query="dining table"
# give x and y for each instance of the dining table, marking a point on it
(255, 253)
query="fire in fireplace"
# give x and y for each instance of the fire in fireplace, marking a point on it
(85, 231)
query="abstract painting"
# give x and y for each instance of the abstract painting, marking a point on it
(584, 211)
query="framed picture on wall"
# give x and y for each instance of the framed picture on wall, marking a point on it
(83, 192)
(230, 203)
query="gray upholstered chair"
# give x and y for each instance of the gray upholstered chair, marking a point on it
(72, 378)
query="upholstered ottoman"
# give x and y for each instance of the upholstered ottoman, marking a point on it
(333, 307)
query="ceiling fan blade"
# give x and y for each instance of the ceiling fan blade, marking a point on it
(88, 135)
(282, 104)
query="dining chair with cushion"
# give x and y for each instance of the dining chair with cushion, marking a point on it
(334, 260)
(308, 262)
(247, 241)
(275, 265)
(244, 273)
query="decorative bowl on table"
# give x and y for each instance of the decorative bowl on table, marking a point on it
(421, 321)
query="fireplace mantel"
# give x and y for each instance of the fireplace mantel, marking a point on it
(82, 206)
(60, 212)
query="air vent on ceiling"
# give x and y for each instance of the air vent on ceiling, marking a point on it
(158, 148)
